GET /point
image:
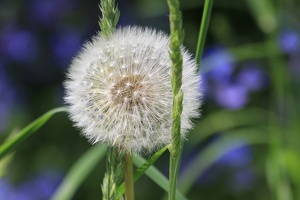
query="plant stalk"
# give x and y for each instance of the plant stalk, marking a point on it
(128, 176)
(176, 39)
(203, 29)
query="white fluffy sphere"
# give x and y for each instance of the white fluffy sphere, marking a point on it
(119, 91)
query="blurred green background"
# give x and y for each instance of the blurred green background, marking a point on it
(246, 144)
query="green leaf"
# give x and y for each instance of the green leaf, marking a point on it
(13, 143)
(141, 170)
(208, 4)
(79, 171)
(226, 120)
(209, 155)
(156, 176)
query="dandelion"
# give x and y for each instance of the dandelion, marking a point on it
(119, 90)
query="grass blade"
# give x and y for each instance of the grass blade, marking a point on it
(79, 171)
(141, 170)
(216, 150)
(156, 176)
(23, 134)
(203, 29)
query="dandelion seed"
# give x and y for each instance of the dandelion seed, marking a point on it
(132, 99)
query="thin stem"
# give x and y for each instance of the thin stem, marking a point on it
(114, 173)
(174, 168)
(128, 176)
(203, 29)
(176, 39)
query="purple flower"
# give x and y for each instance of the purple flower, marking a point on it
(252, 78)
(238, 157)
(19, 45)
(6, 190)
(219, 64)
(65, 44)
(289, 41)
(40, 187)
(47, 12)
(231, 96)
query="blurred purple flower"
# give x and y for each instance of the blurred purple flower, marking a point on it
(40, 187)
(252, 78)
(231, 96)
(238, 157)
(289, 41)
(6, 190)
(19, 45)
(65, 44)
(47, 12)
(219, 64)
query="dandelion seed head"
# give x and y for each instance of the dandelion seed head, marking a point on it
(125, 97)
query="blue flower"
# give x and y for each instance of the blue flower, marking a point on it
(289, 41)
(231, 96)
(218, 64)
(47, 12)
(40, 187)
(6, 190)
(20, 45)
(238, 157)
(252, 78)
(65, 44)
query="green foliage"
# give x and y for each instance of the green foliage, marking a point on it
(13, 143)
(110, 17)
(143, 168)
(203, 29)
(114, 173)
(271, 127)
(176, 39)
(78, 172)
(156, 176)
(211, 154)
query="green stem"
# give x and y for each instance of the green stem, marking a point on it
(174, 168)
(128, 176)
(176, 146)
(113, 175)
(203, 29)
(176, 39)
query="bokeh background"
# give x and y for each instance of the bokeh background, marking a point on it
(246, 144)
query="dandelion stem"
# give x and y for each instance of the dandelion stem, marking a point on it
(128, 176)
(203, 29)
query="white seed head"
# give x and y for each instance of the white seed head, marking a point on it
(119, 91)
